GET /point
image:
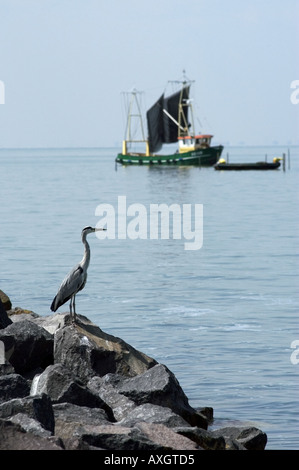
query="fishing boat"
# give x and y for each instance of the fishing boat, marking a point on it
(223, 165)
(168, 122)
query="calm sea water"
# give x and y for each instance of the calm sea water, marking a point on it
(222, 318)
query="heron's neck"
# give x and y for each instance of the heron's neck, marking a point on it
(86, 257)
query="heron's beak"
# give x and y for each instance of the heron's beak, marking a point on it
(99, 229)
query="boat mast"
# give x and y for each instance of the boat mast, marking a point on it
(134, 112)
(183, 127)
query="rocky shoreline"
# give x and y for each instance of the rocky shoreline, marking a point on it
(67, 386)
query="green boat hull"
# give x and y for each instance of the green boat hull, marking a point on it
(200, 157)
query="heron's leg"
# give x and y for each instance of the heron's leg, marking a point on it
(71, 305)
(74, 310)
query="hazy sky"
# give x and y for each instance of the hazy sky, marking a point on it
(64, 64)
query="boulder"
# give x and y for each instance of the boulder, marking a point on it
(14, 437)
(51, 323)
(37, 407)
(13, 386)
(120, 404)
(87, 351)
(149, 413)
(205, 439)
(166, 438)
(5, 301)
(6, 369)
(90, 426)
(29, 425)
(159, 386)
(19, 314)
(27, 346)
(206, 411)
(111, 437)
(250, 438)
(70, 419)
(232, 444)
(61, 385)
(4, 319)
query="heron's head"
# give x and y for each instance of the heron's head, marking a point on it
(89, 229)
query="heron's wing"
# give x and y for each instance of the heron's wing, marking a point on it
(71, 284)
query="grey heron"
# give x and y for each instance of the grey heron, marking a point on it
(75, 279)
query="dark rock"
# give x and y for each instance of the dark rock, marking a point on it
(74, 443)
(51, 323)
(37, 407)
(27, 346)
(4, 319)
(110, 437)
(6, 369)
(87, 351)
(120, 404)
(206, 411)
(150, 413)
(13, 437)
(62, 386)
(94, 392)
(202, 437)
(70, 413)
(165, 437)
(82, 427)
(159, 386)
(5, 301)
(251, 438)
(128, 412)
(13, 386)
(71, 419)
(232, 444)
(29, 425)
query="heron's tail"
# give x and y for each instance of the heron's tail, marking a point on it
(53, 306)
